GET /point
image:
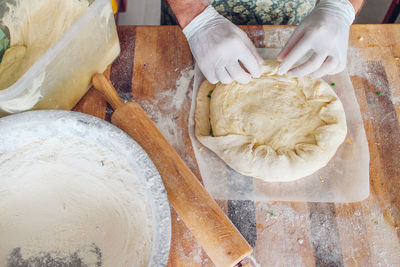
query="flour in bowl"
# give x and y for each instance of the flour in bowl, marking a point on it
(65, 201)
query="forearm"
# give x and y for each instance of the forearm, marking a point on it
(357, 4)
(186, 10)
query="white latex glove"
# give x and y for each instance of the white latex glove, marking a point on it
(325, 31)
(218, 46)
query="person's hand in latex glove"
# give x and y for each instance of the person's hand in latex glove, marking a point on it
(218, 46)
(325, 32)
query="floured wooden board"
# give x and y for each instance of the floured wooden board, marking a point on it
(154, 59)
(344, 179)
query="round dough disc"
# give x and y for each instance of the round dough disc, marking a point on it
(275, 128)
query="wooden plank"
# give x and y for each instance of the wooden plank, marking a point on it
(283, 235)
(362, 225)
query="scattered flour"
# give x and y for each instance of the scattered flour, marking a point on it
(359, 234)
(67, 202)
(396, 99)
(166, 108)
(369, 235)
(278, 234)
(371, 72)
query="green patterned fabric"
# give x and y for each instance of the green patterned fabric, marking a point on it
(253, 12)
(4, 41)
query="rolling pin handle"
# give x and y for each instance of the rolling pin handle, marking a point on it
(102, 84)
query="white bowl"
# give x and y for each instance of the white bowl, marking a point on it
(24, 128)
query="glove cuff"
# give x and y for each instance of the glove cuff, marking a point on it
(341, 8)
(200, 21)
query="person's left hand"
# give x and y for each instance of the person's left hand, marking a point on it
(325, 31)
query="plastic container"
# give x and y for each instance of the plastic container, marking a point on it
(62, 75)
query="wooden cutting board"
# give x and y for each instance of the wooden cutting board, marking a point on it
(152, 61)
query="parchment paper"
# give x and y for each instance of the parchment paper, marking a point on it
(344, 179)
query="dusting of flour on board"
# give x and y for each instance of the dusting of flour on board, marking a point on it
(357, 66)
(375, 222)
(292, 225)
(166, 111)
(286, 230)
(283, 232)
(396, 100)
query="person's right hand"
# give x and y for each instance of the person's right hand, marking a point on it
(218, 46)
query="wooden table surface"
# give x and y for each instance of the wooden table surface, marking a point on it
(366, 233)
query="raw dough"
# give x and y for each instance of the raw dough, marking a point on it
(275, 128)
(67, 202)
(34, 26)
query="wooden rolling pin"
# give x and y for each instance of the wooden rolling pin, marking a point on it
(215, 232)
